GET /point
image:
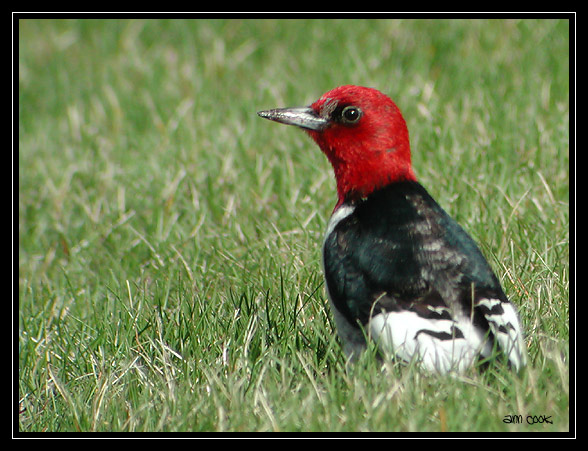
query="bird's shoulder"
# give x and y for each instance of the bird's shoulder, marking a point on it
(399, 225)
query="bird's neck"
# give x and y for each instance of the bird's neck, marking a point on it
(359, 179)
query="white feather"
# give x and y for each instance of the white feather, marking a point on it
(507, 329)
(398, 333)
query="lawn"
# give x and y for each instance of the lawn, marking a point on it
(169, 239)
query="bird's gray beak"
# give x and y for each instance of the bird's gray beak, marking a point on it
(304, 117)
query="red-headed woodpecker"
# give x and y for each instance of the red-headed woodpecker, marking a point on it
(398, 269)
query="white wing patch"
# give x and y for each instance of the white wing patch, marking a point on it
(439, 345)
(449, 344)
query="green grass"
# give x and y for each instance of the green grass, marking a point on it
(169, 239)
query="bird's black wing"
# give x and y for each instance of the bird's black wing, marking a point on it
(399, 250)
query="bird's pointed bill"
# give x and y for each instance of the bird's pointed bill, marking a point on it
(304, 117)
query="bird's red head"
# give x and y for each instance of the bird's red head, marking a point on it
(362, 133)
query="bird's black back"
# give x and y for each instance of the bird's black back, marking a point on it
(399, 250)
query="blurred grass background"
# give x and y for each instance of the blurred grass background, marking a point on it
(169, 239)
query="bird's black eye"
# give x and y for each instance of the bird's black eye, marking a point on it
(350, 114)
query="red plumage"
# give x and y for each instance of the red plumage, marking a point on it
(371, 154)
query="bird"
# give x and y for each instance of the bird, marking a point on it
(398, 269)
